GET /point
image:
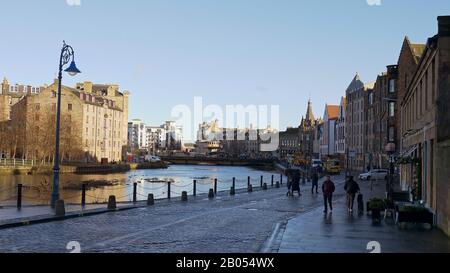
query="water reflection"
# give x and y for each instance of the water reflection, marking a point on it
(37, 189)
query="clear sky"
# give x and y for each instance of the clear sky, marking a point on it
(165, 52)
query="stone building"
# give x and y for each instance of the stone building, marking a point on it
(94, 120)
(356, 95)
(11, 94)
(426, 127)
(289, 143)
(306, 134)
(382, 118)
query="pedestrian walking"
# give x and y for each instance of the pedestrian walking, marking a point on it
(295, 187)
(328, 189)
(289, 182)
(352, 188)
(315, 182)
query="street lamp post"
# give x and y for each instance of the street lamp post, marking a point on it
(67, 55)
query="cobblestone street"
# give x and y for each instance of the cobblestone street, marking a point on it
(262, 221)
(226, 224)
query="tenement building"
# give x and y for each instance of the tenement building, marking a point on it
(426, 127)
(382, 118)
(356, 94)
(94, 122)
(339, 132)
(10, 94)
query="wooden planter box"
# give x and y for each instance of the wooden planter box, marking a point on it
(415, 217)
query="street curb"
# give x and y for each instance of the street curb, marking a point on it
(49, 218)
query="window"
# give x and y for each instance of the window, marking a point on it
(69, 106)
(391, 85)
(391, 134)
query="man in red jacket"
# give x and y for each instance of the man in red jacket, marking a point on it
(328, 189)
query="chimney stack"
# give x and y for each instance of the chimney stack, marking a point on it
(444, 26)
(87, 87)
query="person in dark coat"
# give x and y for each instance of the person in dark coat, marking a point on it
(352, 188)
(328, 189)
(315, 182)
(295, 183)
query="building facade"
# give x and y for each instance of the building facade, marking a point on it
(328, 145)
(289, 143)
(356, 95)
(11, 94)
(93, 122)
(425, 127)
(306, 134)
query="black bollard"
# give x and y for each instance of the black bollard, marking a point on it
(272, 180)
(60, 209)
(150, 200)
(265, 186)
(281, 179)
(234, 182)
(211, 194)
(250, 188)
(134, 193)
(248, 181)
(262, 181)
(184, 196)
(215, 186)
(19, 196)
(112, 204)
(277, 185)
(83, 195)
(168, 190)
(232, 191)
(194, 192)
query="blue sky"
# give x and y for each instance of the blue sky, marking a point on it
(165, 52)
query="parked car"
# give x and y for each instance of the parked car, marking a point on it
(375, 175)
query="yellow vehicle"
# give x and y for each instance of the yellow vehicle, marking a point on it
(332, 166)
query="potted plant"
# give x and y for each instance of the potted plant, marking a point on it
(416, 215)
(376, 205)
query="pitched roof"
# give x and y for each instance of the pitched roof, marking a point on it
(332, 111)
(415, 49)
(356, 84)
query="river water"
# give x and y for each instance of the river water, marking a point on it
(37, 189)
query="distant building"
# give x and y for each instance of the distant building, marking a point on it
(11, 94)
(356, 95)
(306, 134)
(137, 135)
(289, 143)
(155, 139)
(340, 147)
(233, 142)
(327, 145)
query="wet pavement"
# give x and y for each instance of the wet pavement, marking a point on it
(262, 221)
(343, 232)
